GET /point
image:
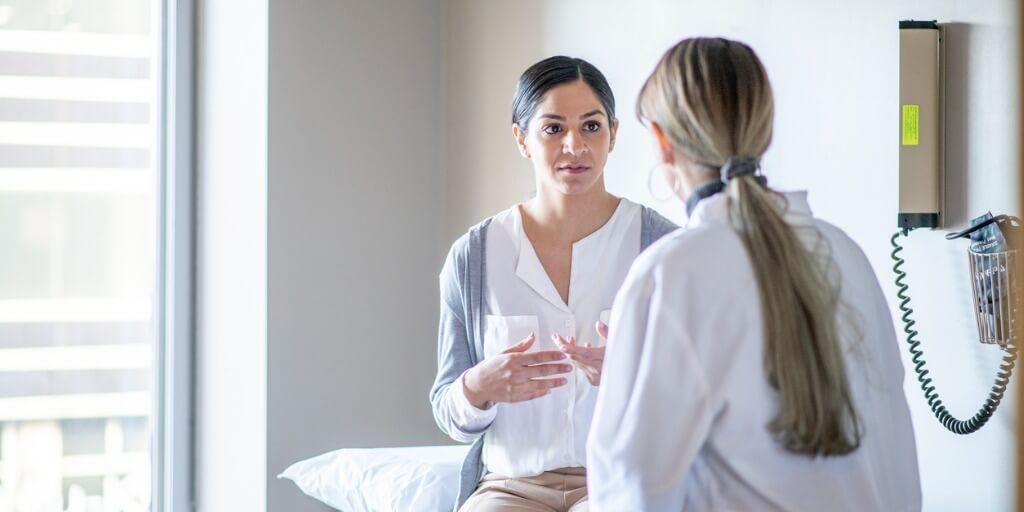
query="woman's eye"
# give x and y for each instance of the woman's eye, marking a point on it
(592, 127)
(552, 129)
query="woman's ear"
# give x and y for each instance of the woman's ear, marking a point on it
(520, 137)
(615, 131)
(665, 151)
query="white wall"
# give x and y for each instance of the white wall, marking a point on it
(231, 433)
(833, 66)
(319, 215)
(354, 230)
(485, 46)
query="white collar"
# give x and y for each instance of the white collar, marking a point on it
(530, 269)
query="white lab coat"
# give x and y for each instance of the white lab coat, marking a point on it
(680, 422)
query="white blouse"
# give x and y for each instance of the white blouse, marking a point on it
(529, 438)
(683, 405)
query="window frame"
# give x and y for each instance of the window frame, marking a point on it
(174, 377)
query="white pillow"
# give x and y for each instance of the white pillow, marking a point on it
(383, 479)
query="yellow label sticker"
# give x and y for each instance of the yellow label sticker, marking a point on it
(910, 125)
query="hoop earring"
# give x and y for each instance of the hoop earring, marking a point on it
(650, 185)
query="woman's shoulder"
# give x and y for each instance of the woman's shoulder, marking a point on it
(467, 244)
(472, 244)
(655, 219)
(652, 224)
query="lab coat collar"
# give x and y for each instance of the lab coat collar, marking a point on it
(703, 192)
(716, 208)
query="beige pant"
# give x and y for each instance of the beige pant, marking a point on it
(559, 490)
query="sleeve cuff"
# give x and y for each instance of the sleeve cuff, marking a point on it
(466, 415)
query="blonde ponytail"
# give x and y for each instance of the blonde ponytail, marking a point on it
(712, 99)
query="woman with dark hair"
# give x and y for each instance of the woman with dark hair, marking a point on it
(524, 301)
(752, 363)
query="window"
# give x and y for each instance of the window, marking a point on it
(82, 261)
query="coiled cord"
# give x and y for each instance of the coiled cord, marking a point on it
(917, 356)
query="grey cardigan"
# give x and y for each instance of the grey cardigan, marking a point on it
(460, 334)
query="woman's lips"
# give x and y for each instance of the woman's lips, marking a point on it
(574, 169)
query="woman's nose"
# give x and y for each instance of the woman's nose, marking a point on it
(573, 143)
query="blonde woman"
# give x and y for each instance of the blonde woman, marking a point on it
(752, 362)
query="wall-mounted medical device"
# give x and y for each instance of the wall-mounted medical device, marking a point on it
(920, 165)
(992, 258)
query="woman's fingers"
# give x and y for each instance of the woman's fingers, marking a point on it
(579, 350)
(588, 363)
(536, 389)
(546, 370)
(549, 383)
(591, 368)
(569, 346)
(544, 356)
(562, 341)
(545, 385)
(590, 360)
(522, 346)
(602, 329)
(571, 350)
(586, 357)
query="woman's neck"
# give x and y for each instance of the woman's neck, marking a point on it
(565, 219)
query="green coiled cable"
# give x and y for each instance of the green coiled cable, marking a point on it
(917, 356)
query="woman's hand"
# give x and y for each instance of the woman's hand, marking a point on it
(514, 376)
(586, 358)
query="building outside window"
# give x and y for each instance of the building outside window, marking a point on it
(79, 228)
